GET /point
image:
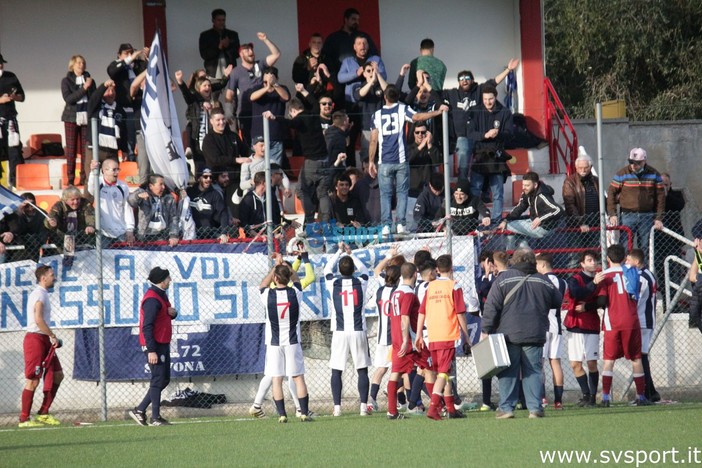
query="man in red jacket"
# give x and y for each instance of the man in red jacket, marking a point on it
(155, 329)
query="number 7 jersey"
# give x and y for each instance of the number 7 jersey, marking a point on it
(282, 314)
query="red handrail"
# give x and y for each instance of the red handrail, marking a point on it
(560, 133)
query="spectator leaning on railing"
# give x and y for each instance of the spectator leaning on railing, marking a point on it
(695, 268)
(638, 188)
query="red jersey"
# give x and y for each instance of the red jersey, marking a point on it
(621, 313)
(403, 303)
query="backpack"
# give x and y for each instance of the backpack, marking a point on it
(632, 281)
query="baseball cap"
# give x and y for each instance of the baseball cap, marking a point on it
(125, 46)
(276, 169)
(462, 185)
(257, 139)
(2, 59)
(637, 154)
(205, 171)
(248, 45)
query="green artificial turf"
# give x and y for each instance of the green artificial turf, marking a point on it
(351, 440)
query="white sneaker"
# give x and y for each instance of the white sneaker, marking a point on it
(257, 412)
(366, 409)
(385, 231)
(337, 411)
(400, 229)
(402, 408)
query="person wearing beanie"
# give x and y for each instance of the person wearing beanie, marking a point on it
(155, 330)
(467, 211)
(638, 189)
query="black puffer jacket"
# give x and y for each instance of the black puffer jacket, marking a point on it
(524, 320)
(541, 205)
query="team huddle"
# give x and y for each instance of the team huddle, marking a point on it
(422, 320)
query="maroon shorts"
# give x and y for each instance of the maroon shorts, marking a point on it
(422, 359)
(442, 359)
(36, 347)
(622, 343)
(404, 364)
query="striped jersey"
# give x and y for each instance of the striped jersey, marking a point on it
(383, 298)
(282, 314)
(554, 315)
(390, 123)
(646, 306)
(348, 298)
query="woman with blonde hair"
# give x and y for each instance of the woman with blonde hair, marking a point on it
(76, 88)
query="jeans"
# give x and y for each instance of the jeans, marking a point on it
(640, 225)
(523, 228)
(411, 226)
(464, 149)
(393, 176)
(314, 184)
(527, 360)
(497, 188)
(276, 155)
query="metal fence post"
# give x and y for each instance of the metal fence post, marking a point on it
(601, 186)
(269, 187)
(100, 282)
(447, 180)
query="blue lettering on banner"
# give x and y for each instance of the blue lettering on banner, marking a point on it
(124, 263)
(7, 304)
(221, 295)
(92, 301)
(67, 304)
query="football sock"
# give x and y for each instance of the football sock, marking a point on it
(280, 407)
(607, 382)
(487, 390)
(27, 398)
(650, 388)
(48, 399)
(454, 388)
(263, 386)
(293, 392)
(582, 381)
(450, 406)
(392, 397)
(558, 393)
(363, 384)
(401, 397)
(336, 386)
(416, 391)
(305, 405)
(640, 383)
(374, 391)
(593, 381)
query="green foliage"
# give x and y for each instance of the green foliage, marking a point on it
(643, 51)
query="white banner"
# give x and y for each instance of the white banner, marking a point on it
(207, 288)
(159, 121)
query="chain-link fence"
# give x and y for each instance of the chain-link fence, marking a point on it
(218, 346)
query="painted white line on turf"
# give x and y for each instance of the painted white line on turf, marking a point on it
(107, 425)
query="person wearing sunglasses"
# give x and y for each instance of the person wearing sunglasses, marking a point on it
(208, 208)
(424, 160)
(462, 100)
(638, 189)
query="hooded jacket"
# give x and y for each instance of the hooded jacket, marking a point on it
(524, 320)
(489, 156)
(540, 204)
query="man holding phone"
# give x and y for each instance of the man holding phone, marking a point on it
(10, 144)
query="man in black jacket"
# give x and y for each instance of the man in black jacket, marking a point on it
(489, 128)
(219, 46)
(517, 306)
(544, 212)
(252, 210)
(208, 208)
(429, 202)
(467, 211)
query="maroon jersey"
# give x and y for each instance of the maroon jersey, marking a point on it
(621, 313)
(404, 303)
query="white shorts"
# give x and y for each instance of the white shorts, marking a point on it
(552, 347)
(382, 356)
(583, 347)
(342, 343)
(284, 360)
(646, 335)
